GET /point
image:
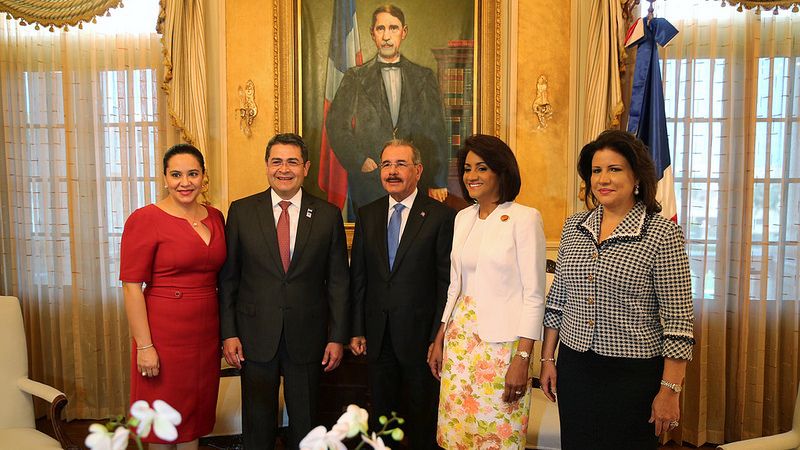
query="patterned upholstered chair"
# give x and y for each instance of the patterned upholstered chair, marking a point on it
(544, 427)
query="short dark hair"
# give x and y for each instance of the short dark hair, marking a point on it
(401, 143)
(288, 139)
(184, 149)
(499, 157)
(391, 9)
(638, 157)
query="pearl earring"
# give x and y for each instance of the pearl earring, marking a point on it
(636, 190)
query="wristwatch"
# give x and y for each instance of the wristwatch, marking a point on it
(523, 355)
(675, 387)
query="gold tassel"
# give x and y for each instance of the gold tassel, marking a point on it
(94, 19)
(775, 12)
(66, 28)
(740, 9)
(37, 27)
(52, 30)
(80, 25)
(796, 9)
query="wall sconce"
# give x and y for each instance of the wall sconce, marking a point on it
(248, 110)
(541, 106)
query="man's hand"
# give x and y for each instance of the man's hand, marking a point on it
(358, 345)
(369, 165)
(232, 349)
(439, 194)
(333, 356)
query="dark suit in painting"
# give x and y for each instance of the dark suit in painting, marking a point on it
(359, 123)
(284, 319)
(399, 309)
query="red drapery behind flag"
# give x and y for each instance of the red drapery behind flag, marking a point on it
(344, 53)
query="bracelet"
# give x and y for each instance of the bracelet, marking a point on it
(547, 359)
(145, 347)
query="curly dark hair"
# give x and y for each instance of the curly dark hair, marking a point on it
(499, 157)
(637, 155)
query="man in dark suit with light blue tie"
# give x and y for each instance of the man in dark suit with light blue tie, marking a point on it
(400, 271)
(283, 295)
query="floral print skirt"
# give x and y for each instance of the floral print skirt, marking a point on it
(472, 413)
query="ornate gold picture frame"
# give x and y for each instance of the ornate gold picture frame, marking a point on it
(288, 91)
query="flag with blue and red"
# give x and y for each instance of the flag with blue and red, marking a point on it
(647, 114)
(344, 53)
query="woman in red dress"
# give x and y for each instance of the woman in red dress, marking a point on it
(175, 247)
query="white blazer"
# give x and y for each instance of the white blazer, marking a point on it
(510, 273)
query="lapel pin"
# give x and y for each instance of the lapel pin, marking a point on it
(422, 214)
(308, 213)
(504, 218)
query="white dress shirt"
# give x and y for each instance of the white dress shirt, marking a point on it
(408, 202)
(294, 215)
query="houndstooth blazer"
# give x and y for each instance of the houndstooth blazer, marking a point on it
(629, 296)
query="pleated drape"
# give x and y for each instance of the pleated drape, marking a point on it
(83, 126)
(732, 84)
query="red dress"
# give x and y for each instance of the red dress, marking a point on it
(180, 272)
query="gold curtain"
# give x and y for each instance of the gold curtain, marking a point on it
(732, 90)
(83, 126)
(182, 26)
(764, 5)
(56, 13)
(604, 100)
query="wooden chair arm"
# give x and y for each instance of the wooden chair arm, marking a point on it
(57, 399)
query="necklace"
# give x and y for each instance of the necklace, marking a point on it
(191, 220)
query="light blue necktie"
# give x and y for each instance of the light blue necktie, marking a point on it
(393, 232)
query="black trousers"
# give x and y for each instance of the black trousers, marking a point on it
(604, 402)
(260, 386)
(388, 378)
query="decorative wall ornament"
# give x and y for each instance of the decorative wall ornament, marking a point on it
(57, 13)
(541, 105)
(248, 110)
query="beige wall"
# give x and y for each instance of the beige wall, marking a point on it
(249, 56)
(542, 46)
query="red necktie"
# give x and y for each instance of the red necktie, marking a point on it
(283, 234)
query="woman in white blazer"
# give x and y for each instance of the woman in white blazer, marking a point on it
(495, 305)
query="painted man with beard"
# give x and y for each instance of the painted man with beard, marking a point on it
(388, 97)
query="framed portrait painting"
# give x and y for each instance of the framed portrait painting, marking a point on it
(351, 75)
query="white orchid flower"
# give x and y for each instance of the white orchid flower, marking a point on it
(356, 420)
(100, 438)
(375, 442)
(162, 418)
(321, 439)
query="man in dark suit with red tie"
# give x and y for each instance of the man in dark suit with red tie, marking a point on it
(283, 295)
(400, 271)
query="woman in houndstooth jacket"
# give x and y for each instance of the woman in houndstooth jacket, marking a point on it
(620, 304)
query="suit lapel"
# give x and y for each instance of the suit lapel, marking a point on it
(266, 219)
(379, 233)
(408, 90)
(303, 228)
(416, 217)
